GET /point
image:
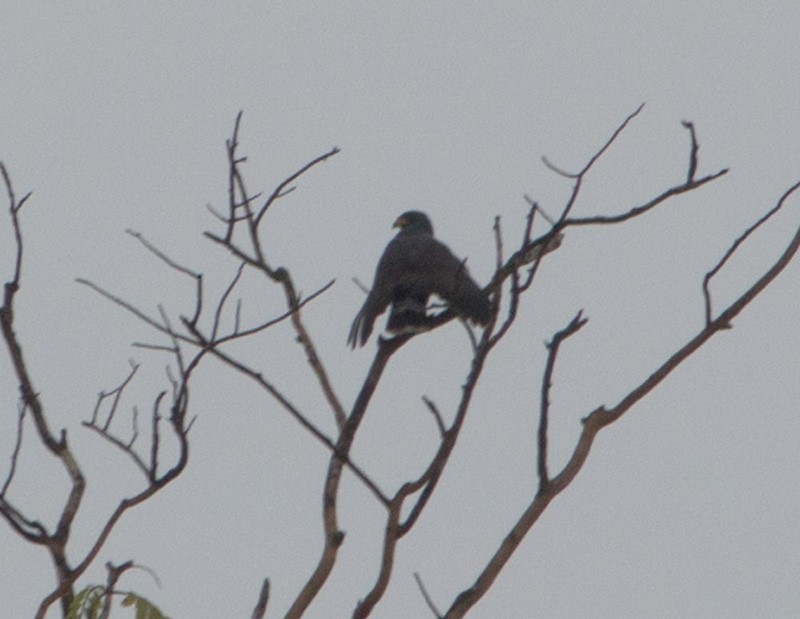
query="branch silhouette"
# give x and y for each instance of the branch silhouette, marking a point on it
(216, 322)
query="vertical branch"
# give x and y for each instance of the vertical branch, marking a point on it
(155, 437)
(114, 573)
(547, 382)
(58, 447)
(693, 154)
(365, 607)
(14, 208)
(254, 256)
(15, 453)
(333, 536)
(56, 542)
(394, 529)
(234, 180)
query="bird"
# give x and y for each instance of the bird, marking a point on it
(414, 266)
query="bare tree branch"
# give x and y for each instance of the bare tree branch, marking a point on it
(281, 190)
(573, 327)
(206, 332)
(114, 573)
(14, 207)
(57, 447)
(598, 154)
(15, 453)
(333, 536)
(602, 417)
(263, 598)
(196, 277)
(427, 597)
(640, 210)
(737, 243)
(436, 415)
(238, 197)
(223, 299)
(693, 155)
(578, 176)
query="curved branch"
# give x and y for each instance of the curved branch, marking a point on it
(737, 243)
(602, 417)
(553, 346)
(639, 210)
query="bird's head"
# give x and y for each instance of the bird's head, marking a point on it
(414, 221)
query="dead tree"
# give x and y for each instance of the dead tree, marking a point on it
(216, 322)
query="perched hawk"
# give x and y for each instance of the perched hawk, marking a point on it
(414, 266)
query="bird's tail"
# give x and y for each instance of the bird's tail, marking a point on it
(469, 299)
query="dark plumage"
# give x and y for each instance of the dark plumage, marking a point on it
(414, 266)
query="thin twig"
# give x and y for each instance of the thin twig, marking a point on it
(578, 176)
(196, 277)
(298, 416)
(360, 285)
(57, 446)
(693, 154)
(640, 210)
(239, 333)
(134, 427)
(739, 240)
(116, 393)
(114, 573)
(129, 307)
(599, 153)
(280, 275)
(498, 243)
(537, 209)
(155, 347)
(223, 299)
(121, 445)
(280, 190)
(436, 415)
(15, 453)
(601, 418)
(161, 255)
(426, 596)
(263, 598)
(547, 382)
(14, 207)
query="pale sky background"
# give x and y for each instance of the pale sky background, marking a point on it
(115, 115)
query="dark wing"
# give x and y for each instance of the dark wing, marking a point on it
(388, 273)
(448, 277)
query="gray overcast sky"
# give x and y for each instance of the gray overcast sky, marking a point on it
(115, 115)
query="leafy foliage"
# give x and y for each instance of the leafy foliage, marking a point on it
(89, 603)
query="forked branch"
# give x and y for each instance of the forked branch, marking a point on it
(601, 416)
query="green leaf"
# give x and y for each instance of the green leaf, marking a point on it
(77, 602)
(144, 608)
(87, 604)
(95, 603)
(129, 600)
